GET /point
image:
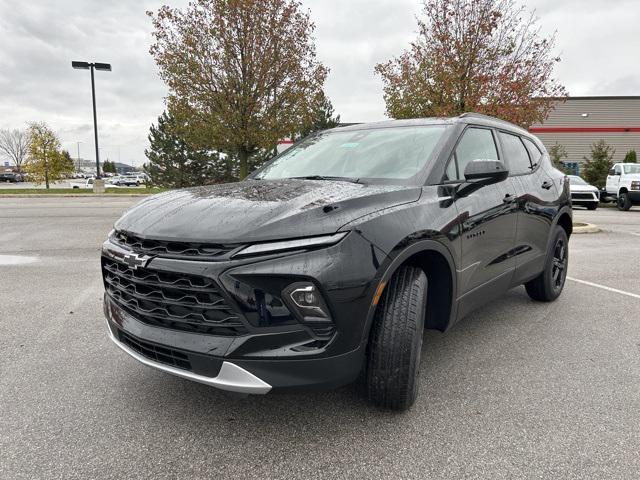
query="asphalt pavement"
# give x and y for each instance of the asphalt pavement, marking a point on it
(517, 390)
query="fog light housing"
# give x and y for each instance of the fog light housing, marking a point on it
(306, 301)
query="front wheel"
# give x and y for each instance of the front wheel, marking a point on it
(624, 202)
(396, 341)
(592, 206)
(548, 286)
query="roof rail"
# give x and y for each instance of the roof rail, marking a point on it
(488, 117)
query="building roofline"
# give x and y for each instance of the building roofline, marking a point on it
(598, 97)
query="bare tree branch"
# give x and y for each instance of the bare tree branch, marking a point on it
(14, 144)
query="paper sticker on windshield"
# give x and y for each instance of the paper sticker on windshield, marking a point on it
(349, 145)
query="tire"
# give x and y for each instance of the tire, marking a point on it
(592, 206)
(396, 341)
(624, 202)
(548, 286)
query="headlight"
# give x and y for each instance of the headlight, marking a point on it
(281, 246)
(305, 299)
(635, 185)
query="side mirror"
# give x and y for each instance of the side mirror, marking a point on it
(485, 172)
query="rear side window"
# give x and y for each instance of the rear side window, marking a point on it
(534, 152)
(515, 154)
(475, 144)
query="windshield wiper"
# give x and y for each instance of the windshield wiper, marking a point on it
(330, 178)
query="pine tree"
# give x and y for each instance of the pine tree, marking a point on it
(109, 167)
(597, 167)
(323, 118)
(174, 163)
(631, 157)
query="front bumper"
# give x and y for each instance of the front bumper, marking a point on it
(230, 376)
(263, 358)
(579, 198)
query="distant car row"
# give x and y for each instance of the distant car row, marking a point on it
(131, 180)
(11, 177)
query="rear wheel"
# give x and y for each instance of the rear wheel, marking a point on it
(624, 202)
(548, 286)
(396, 341)
(592, 206)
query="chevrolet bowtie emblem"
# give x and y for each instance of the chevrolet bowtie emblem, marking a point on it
(134, 260)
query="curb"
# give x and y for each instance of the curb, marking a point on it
(586, 228)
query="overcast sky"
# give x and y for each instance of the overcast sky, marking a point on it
(597, 39)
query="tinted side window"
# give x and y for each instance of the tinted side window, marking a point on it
(515, 154)
(618, 170)
(534, 152)
(475, 144)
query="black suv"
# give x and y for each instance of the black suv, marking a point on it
(327, 263)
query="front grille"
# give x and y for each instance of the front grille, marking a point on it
(165, 355)
(192, 250)
(582, 196)
(172, 300)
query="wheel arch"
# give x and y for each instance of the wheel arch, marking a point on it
(435, 260)
(565, 220)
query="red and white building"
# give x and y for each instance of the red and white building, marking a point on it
(578, 122)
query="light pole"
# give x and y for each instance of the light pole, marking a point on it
(94, 66)
(78, 156)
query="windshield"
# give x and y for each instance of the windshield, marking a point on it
(631, 168)
(576, 180)
(397, 153)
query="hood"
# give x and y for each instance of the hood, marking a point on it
(583, 188)
(632, 176)
(253, 210)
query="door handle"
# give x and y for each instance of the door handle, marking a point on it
(547, 185)
(508, 198)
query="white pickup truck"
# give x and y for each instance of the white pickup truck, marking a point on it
(88, 183)
(623, 183)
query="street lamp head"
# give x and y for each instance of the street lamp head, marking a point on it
(105, 67)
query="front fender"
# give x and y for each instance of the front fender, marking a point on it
(396, 258)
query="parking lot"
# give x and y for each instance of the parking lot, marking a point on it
(517, 389)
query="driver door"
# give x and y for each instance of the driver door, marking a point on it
(487, 220)
(613, 179)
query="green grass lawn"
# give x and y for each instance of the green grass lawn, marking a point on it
(79, 191)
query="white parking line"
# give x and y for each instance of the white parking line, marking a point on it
(16, 259)
(604, 287)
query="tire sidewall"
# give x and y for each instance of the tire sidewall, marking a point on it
(402, 376)
(548, 271)
(624, 203)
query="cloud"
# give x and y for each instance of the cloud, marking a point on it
(596, 38)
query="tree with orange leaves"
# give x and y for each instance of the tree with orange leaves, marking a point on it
(485, 56)
(244, 72)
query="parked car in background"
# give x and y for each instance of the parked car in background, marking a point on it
(583, 194)
(88, 183)
(329, 262)
(623, 184)
(130, 180)
(11, 177)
